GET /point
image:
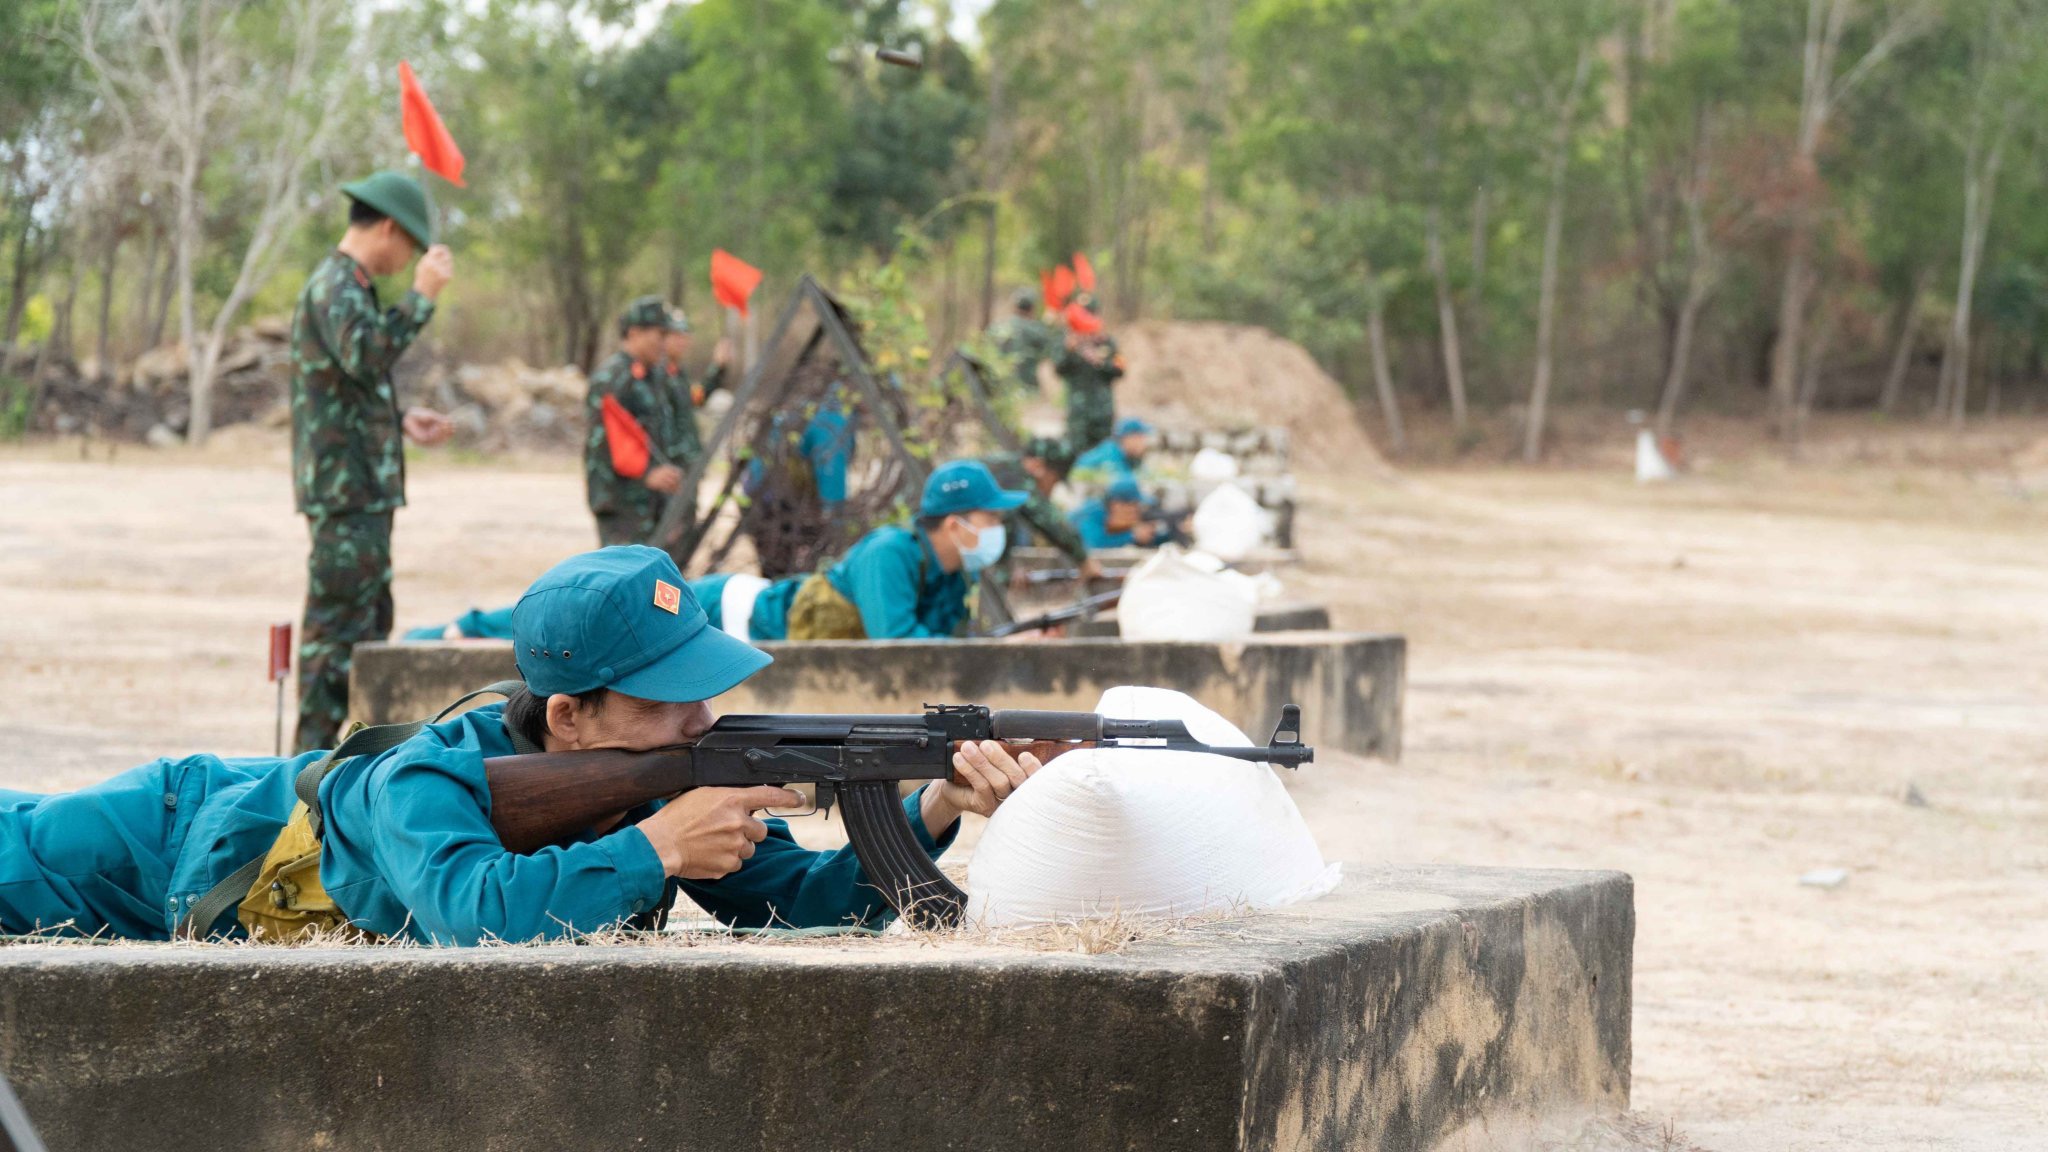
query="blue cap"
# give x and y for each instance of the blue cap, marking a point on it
(963, 486)
(622, 618)
(1133, 426)
(1124, 490)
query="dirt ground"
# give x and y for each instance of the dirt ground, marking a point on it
(1717, 686)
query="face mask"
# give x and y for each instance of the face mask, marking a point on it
(988, 548)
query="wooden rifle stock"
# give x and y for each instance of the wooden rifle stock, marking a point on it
(545, 798)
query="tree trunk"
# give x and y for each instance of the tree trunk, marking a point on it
(1446, 318)
(1978, 188)
(1791, 324)
(1475, 295)
(1382, 375)
(1698, 285)
(1553, 236)
(1902, 356)
(103, 352)
(1809, 382)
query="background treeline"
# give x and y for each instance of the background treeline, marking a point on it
(1478, 208)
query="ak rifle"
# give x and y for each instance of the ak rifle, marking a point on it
(854, 762)
(1066, 614)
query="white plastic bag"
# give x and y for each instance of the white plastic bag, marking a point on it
(1135, 833)
(1651, 467)
(1229, 523)
(1211, 466)
(1169, 598)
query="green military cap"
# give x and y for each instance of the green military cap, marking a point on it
(645, 312)
(400, 197)
(677, 322)
(1054, 450)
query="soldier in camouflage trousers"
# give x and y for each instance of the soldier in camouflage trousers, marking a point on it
(1090, 366)
(627, 494)
(348, 462)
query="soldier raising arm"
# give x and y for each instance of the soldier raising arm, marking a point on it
(348, 462)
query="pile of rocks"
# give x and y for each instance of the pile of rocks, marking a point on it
(496, 407)
(150, 399)
(510, 405)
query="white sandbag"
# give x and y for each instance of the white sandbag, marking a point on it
(1120, 832)
(1169, 598)
(1211, 466)
(1229, 523)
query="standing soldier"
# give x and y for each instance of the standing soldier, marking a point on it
(1024, 338)
(1091, 367)
(348, 455)
(675, 347)
(627, 491)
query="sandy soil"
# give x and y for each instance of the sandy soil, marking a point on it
(1716, 686)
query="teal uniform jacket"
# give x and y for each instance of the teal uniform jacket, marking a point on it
(408, 852)
(1091, 520)
(770, 617)
(1105, 462)
(475, 624)
(893, 577)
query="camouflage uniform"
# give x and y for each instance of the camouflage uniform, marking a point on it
(348, 472)
(626, 508)
(1025, 340)
(1039, 518)
(1091, 403)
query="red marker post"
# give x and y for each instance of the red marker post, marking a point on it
(280, 671)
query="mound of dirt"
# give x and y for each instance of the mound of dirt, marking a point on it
(1209, 375)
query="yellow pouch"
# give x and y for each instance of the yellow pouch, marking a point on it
(287, 900)
(819, 612)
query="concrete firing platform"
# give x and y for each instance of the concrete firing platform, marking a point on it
(1349, 684)
(1401, 1007)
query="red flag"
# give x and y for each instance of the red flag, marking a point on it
(424, 132)
(1062, 287)
(280, 651)
(1083, 321)
(1084, 272)
(626, 439)
(733, 280)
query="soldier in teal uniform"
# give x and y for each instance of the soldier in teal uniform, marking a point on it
(348, 456)
(1123, 454)
(897, 582)
(613, 654)
(1117, 519)
(627, 506)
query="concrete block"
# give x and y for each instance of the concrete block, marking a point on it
(1349, 685)
(1405, 1005)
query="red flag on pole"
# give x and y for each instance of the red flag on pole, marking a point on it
(1084, 272)
(1062, 287)
(424, 132)
(733, 280)
(280, 651)
(626, 439)
(1082, 321)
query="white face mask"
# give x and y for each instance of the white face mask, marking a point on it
(986, 549)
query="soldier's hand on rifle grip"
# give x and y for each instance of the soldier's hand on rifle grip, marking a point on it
(707, 833)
